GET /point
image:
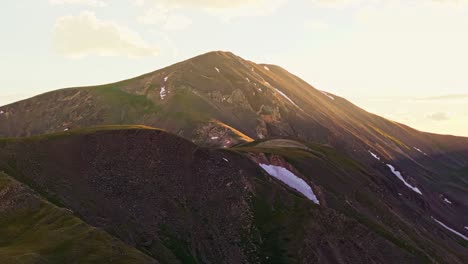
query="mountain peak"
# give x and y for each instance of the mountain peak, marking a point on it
(216, 55)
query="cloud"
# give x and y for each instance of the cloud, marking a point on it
(94, 3)
(445, 97)
(164, 19)
(221, 4)
(176, 23)
(439, 116)
(154, 15)
(85, 34)
(340, 4)
(225, 9)
(394, 47)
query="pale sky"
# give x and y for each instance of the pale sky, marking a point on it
(404, 60)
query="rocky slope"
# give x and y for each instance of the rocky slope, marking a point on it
(182, 203)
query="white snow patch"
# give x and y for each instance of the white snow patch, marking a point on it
(66, 129)
(226, 160)
(247, 79)
(162, 93)
(285, 96)
(213, 138)
(399, 176)
(1, 112)
(447, 201)
(166, 78)
(329, 96)
(420, 151)
(466, 227)
(291, 180)
(374, 155)
(216, 68)
(450, 229)
(400, 194)
(266, 68)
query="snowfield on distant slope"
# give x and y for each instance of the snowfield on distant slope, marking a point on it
(287, 98)
(447, 201)
(399, 176)
(374, 155)
(329, 96)
(420, 151)
(162, 93)
(291, 180)
(450, 229)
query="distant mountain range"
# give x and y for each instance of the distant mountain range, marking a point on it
(221, 160)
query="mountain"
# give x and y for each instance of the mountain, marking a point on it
(34, 230)
(251, 165)
(181, 203)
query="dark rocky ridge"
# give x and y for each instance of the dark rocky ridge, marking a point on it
(182, 203)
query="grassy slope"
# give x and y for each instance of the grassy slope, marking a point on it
(273, 215)
(343, 179)
(35, 231)
(275, 236)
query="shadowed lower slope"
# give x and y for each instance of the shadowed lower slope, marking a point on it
(182, 203)
(33, 230)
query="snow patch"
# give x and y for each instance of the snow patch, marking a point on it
(226, 160)
(291, 180)
(466, 227)
(399, 194)
(420, 151)
(66, 129)
(450, 229)
(247, 79)
(216, 68)
(447, 201)
(285, 96)
(266, 68)
(2, 112)
(166, 78)
(374, 155)
(329, 96)
(399, 176)
(162, 93)
(214, 138)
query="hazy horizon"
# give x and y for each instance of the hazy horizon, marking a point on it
(403, 60)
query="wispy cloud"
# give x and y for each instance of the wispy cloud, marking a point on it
(85, 34)
(93, 3)
(162, 17)
(225, 9)
(444, 97)
(439, 116)
(222, 4)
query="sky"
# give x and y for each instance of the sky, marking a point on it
(404, 60)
